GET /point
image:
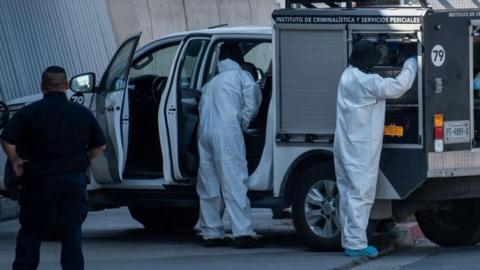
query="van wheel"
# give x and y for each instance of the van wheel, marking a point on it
(165, 218)
(452, 223)
(315, 208)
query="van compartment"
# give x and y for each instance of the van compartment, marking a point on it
(401, 124)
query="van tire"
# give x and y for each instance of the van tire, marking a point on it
(452, 223)
(321, 178)
(166, 218)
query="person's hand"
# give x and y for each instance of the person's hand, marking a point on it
(18, 166)
(410, 61)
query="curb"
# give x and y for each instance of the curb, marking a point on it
(8, 209)
(413, 230)
(403, 236)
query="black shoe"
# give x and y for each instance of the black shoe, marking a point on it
(214, 242)
(247, 242)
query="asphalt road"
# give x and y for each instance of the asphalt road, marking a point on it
(113, 240)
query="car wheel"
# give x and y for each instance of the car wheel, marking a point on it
(166, 218)
(315, 208)
(452, 223)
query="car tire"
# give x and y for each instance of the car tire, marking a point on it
(452, 223)
(166, 218)
(320, 176)
(322, 230)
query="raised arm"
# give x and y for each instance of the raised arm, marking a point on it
(384, 88)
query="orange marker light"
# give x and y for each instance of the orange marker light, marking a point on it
(438, 132)
(438, 120)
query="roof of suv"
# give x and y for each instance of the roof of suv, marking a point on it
(262, 30)
(242, 30)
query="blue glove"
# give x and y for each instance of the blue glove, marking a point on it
(476, 84)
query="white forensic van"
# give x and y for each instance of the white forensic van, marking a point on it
(146, 102)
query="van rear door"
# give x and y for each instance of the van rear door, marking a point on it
(448, 93)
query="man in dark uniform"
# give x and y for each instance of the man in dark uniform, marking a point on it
(55, 139)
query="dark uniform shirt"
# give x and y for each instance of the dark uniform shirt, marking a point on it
(54, 135)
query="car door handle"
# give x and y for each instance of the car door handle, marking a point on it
(112, 108)
(172, 111)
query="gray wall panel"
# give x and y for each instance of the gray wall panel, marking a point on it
(75, 34)
(309, 81)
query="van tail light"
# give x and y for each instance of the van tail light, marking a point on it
(438, 132)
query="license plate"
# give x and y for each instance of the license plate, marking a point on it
(457, 132)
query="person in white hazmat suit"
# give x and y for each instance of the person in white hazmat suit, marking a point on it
(358, 140)
(229, 102)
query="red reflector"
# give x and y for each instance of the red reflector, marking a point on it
(438, 133)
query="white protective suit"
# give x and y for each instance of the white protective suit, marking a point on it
(358, 143)
(229, 102)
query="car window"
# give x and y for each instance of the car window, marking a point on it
(260, 55)
(155, 63)
(190, 64)
(256, 52)
(116, 75)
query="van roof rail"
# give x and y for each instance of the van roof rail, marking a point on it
(332, 3)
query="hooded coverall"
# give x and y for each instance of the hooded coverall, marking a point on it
(358, 143)
(229, 102)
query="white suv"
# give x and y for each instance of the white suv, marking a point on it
(146, 103)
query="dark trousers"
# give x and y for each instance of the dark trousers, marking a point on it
(67, 193)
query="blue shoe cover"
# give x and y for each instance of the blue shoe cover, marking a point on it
(370, 252)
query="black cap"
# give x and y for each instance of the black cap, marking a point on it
(364, 55)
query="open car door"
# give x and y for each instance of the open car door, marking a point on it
(112, 113)
(182, 103)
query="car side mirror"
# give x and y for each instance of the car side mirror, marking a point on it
(4, 114)
(83, 83)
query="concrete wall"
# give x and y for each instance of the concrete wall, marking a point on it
(156, 18)
(37, 33)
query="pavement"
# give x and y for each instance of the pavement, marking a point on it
(113, 240)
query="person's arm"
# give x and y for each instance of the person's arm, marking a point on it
(17, 162)
(93, 153)
(391, 87)
(12, 135)
(252, 97)
(97, 142)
